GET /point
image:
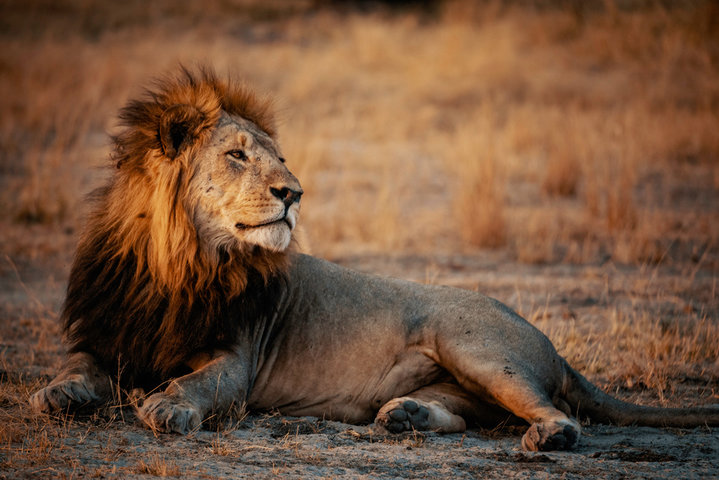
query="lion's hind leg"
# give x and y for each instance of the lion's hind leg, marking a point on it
(81, 382)
(550, 428)
(432, 408)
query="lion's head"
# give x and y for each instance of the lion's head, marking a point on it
(213, 143)
(200, 208)
(244, 194)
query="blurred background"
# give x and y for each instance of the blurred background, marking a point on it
(547, 131)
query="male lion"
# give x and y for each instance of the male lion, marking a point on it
(187, 276)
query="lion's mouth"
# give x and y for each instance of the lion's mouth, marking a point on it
(244, 226)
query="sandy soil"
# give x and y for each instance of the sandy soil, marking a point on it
(111, 443)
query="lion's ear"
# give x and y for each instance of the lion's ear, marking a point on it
(179, 127)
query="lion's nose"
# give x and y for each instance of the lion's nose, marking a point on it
(287, 195)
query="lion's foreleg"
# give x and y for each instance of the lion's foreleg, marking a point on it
(215, 386)
(80, 382)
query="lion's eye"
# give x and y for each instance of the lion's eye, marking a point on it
(238, 154)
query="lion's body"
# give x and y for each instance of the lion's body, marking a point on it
(186, 277)
(373, 339)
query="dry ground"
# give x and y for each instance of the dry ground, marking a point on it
(564, 300)
(562, 157)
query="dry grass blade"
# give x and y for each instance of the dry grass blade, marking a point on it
(158, 467)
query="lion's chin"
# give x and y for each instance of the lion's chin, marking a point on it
(275, 237)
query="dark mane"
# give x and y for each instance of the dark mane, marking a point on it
(143, 296)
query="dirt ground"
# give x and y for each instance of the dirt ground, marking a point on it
(112, 444)
(284, 447)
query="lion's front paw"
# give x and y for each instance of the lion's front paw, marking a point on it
(401, 415)
(72, 391)
(552, 436)
(163, 413)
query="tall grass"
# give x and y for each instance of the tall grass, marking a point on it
(475, 155)
(637, 348)
(555, 134)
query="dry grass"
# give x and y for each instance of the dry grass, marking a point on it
(637, 349)
(158, 467)
(496, 113)
(476, 158)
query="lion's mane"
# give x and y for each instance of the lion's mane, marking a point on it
(143, 295)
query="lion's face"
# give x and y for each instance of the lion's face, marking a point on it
(245, 194)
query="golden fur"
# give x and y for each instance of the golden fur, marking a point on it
(147, 182)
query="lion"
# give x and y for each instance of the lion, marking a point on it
(188, 283)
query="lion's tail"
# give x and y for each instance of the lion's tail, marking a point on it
(586, 399)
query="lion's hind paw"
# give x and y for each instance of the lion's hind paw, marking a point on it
(555, 436)
(403, 415)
